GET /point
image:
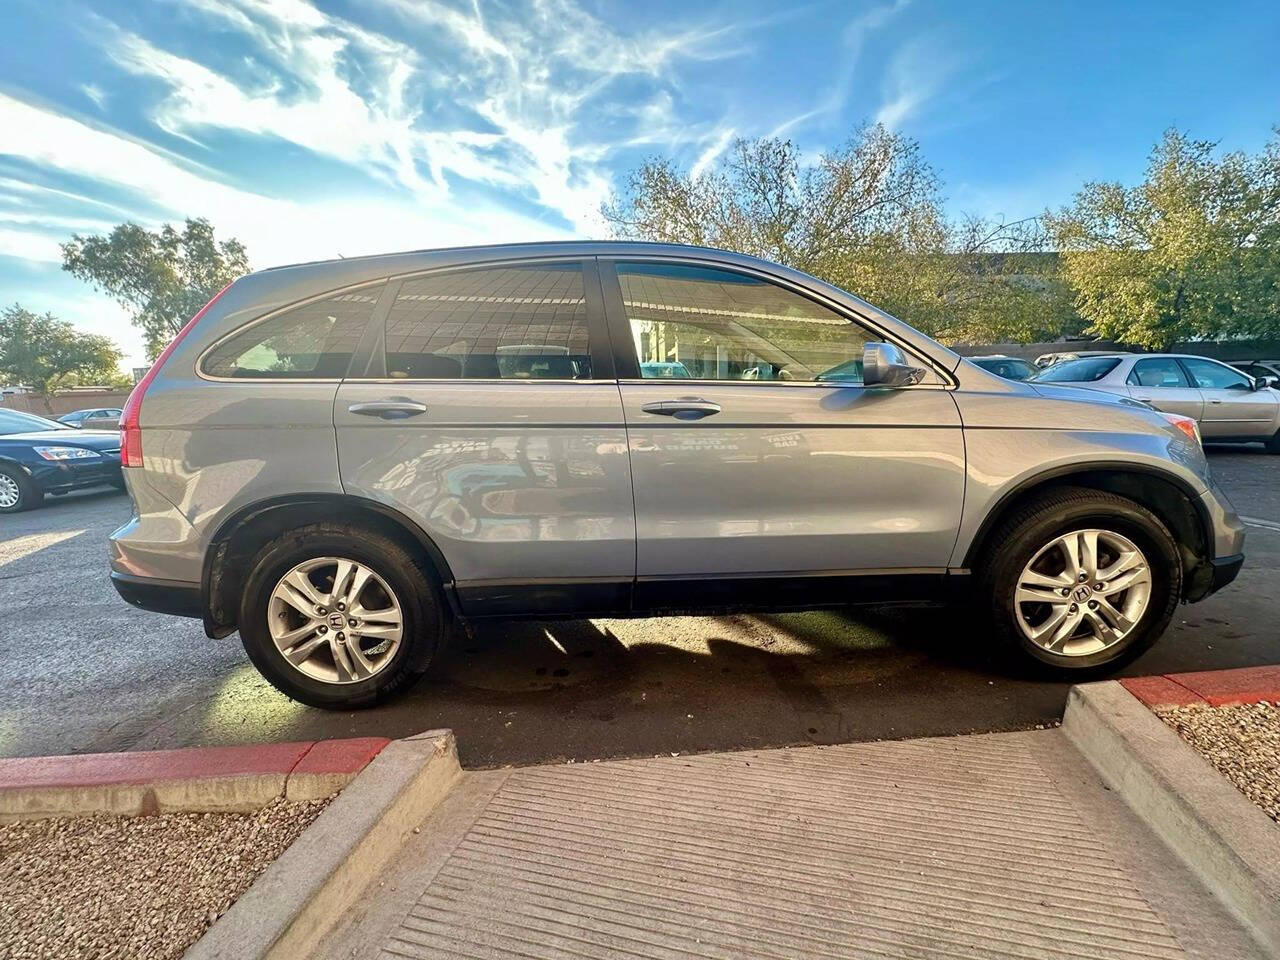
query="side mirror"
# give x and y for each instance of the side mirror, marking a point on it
(1261, 383)
(883, 365)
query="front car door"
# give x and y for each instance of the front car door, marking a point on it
(1233, 409)
(756, 453)
(490, 415)
(1163, 383)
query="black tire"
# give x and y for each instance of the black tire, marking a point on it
(29, 494)
(408, 575)
(1038, 523)
(1273, 445)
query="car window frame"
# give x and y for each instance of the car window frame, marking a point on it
(628, 362)
(599, 342)
(1186, 368)
(1186, 375)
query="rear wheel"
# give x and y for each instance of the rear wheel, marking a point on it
(1273, 445)
(17, 491)
(1082, 581)
(338, 616)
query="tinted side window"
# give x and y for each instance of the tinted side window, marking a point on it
(1216, 376)
(702, 323)
(503, 323)
(1160, 372)
(312, 341)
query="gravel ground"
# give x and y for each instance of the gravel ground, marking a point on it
(1242, 741)
(124, 887)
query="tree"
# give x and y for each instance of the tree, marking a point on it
(162, 277)
(867, 217)
(46, 353)
(1192, 252)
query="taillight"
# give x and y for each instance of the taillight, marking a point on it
(130, 427)
(1186, 424)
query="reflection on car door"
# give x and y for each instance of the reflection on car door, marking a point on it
(491, 417)
(1162, 382)
(1232, 407)
(755, 468)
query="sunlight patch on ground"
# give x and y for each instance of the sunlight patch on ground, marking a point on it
(19, 547)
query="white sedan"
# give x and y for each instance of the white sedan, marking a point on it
(1229, 406)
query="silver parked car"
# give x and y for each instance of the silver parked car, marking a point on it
(93, 419)
(340, 459)
(1229, 406)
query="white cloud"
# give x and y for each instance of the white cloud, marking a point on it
(94, 93)
(709, 156)
(919, 72)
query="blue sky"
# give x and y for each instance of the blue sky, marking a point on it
(313, 128)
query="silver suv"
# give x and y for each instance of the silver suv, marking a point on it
(342, 459)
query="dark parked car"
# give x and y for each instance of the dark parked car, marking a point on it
(94, 418)
(39, 456)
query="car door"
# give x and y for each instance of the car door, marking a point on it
(1233, 409)
(490, 415)
(1163, 383)
(753, 466)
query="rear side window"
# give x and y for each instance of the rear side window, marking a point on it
(1084, 370)
(313, 341)
(1158, 372)
(501, 323)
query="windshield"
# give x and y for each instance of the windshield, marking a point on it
(14, 421)
(1084, 370)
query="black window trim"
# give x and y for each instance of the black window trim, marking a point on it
(628, 364)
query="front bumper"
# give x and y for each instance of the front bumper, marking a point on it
(1212, 576)
(175, 597)
(54, 476)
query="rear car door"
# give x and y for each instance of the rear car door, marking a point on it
(747, 463)
(1233, 409)
(1163, 383)
(490, 415)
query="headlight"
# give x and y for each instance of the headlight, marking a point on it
(65, 453)
(1186, 425)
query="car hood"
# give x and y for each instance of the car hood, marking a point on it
(98, 440)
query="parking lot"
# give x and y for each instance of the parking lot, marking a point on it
(82, 671)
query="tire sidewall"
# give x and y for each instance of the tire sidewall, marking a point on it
(420, 608)
(1144, 531)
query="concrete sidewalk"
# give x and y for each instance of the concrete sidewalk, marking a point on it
(1004, 845)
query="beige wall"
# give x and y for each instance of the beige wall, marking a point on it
(60, 403)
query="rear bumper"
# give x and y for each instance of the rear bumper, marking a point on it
(175, 597)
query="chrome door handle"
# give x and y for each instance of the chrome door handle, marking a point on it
(392, 408)
(683, 408)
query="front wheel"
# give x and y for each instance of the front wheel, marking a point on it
(338, 616)
(17, 490)
(1082, 580)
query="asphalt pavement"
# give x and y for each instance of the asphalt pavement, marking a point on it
(82, 671)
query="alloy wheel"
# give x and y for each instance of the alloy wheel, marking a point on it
(1083, 592)
(335, 620)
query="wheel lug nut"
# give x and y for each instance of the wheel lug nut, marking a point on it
(342, 638)
(1098, 586)
(342, 606)
(351, 623)
(1066, 591)
(323, 628)
(321, 610)
(1093, 604)
(1074, 608)
(1084, 577)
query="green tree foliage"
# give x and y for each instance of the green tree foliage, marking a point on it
(866, 217)
(47, 353)
(1192, 252)
(162, 277)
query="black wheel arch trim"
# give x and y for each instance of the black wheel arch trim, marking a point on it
(216, 553)
(1066, 472)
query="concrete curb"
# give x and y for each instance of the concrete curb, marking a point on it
(306, 891)
(1228, 843)
(201, 779)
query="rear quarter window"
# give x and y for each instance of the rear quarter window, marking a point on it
(315, 340)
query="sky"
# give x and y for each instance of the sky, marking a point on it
(312, 129)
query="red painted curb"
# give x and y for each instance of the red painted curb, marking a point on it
(340, 756)
(196, 763)
(1213, 687)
